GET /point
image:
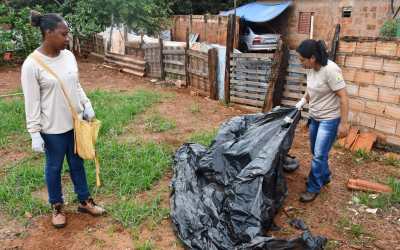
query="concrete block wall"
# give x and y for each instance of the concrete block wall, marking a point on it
(371, 68)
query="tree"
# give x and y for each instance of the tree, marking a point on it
(199, 7)
(90, 16)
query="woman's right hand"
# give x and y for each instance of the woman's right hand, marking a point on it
(37, 142)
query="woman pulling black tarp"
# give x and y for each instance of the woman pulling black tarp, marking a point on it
(328, 109)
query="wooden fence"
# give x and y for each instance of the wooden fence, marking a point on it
(174, 62)
(152, 56)
(202, 72)
(296, 83)
(253, 77)
(211, 28)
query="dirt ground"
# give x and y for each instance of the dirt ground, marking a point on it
(192, 114)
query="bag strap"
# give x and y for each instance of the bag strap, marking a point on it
(51, 72)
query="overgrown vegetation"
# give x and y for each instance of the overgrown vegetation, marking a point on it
(204, 138)
(382, 201)
(156, 123)
(390, 28)
(12, 120)
(126, 168)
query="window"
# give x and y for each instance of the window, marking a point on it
(304, 22)
(346, 11)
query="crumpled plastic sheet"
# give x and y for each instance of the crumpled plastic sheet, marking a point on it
(226, 196)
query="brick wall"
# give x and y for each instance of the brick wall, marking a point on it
(366, 18)
(371, 68)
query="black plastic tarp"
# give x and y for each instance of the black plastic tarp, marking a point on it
(226, 196)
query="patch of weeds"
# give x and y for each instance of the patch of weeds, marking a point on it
(132, 213)
(12, 122)
(361, 156)
(129, 168)
(382, 201)
(195, 108)
(16, 188)
(356, 231)
(204, 138)
(147, 245)
(156, 123)
(332, 245)
(115, 109)
(391, 161)
(169, 95)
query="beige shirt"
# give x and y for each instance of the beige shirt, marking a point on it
(324, 103)
(46, 108)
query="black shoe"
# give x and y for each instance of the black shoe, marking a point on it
(308, 196)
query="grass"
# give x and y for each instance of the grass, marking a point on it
(195, 108)
(12, 120)
(129, 168)
(204, 138)
(17, 186)
(132, 213)
(147, 245)
(383, 201)
(126, 169)
(115, 109)
(356, 231)
(156, 123)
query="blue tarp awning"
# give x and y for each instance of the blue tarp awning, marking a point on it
(259, 12)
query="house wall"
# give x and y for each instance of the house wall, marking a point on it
(366, 19)
(371, 69)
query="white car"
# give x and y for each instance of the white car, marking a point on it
(252, 41)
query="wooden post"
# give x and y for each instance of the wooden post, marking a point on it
(205, 39)
(187, 58)
(229, 50)
(162, 72)
(275, 71)
(212, 72)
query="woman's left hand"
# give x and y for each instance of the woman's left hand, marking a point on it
(343, 130)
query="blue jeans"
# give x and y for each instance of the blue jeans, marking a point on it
(322, 137)
(57, 147)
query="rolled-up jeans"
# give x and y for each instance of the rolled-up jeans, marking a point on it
(322, 136)
(57, 146)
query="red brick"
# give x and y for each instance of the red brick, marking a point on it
(385, 80)
(397, 84)
(389, 95)
(363, 76)
(391, 65)
(369, 92)
(366, 48)
(375, 108)
(373, 63)
(340, 59)
(354, 61)
(357, 105)
(398, 128)
(349, 74)
(352, 89)
(347, 47)
(393, 140)
(354, 118)
(367, 120)
(392, 111)
(386, 48)
(385, 125)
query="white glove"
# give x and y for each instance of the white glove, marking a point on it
(37, 142)
(88, 112)
(301, 103)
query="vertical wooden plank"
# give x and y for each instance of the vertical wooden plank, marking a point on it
(229, 49)
(162, 72)
(212, 73)
(187, 57)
